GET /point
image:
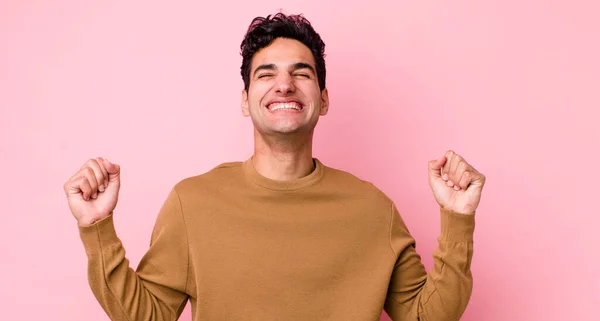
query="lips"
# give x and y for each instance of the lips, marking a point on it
(285, 105)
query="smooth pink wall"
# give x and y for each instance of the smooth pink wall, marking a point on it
(514, 86)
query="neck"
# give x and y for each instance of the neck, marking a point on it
(283, 158)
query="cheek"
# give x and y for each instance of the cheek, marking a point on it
(309, 89)
(256, 93)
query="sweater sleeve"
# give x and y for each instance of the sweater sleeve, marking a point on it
(157, 289)
(443, 293)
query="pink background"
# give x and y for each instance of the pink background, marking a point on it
(511, 85)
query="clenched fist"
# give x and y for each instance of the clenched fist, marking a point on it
(456, 185)
(92, 193)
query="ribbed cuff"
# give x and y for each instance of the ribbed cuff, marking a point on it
(457, 227)
(98, 235)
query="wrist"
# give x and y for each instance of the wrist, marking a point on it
(456, 227)
(86, 221)
(461, 211)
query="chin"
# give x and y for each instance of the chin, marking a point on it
(282, 131)
(286, 131)
(285, 128)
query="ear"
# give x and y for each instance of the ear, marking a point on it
(245, 108)
(324, 102)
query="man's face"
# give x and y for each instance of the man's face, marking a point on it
(284, 95)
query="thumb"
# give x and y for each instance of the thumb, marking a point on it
(113, 170)
(435, 166)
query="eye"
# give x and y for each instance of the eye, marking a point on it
(264, 76)
(303, 75)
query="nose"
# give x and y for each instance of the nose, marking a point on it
(285, 83)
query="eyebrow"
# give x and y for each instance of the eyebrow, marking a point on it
(296, 66)
(303, 65)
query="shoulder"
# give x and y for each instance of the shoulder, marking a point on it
(219, 175)
(351, 183)
(359, 198)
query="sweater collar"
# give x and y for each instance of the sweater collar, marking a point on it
(255, 177)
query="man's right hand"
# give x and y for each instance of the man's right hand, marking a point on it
(92, 193)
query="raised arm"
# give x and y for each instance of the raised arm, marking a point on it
(157, 290)
(444, 292)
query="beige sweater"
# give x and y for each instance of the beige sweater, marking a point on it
(239, 246)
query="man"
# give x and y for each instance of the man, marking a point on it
(280, 236)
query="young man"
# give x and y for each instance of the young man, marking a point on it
(280, 236)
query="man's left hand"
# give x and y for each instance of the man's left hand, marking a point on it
(456, 185)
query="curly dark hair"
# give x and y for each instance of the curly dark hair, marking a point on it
(263, 30)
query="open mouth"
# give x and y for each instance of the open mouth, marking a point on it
(288, 105)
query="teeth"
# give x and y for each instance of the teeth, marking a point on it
(278, 106)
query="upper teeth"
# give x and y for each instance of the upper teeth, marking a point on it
(277, 106)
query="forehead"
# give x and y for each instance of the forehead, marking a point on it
(283, 52)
